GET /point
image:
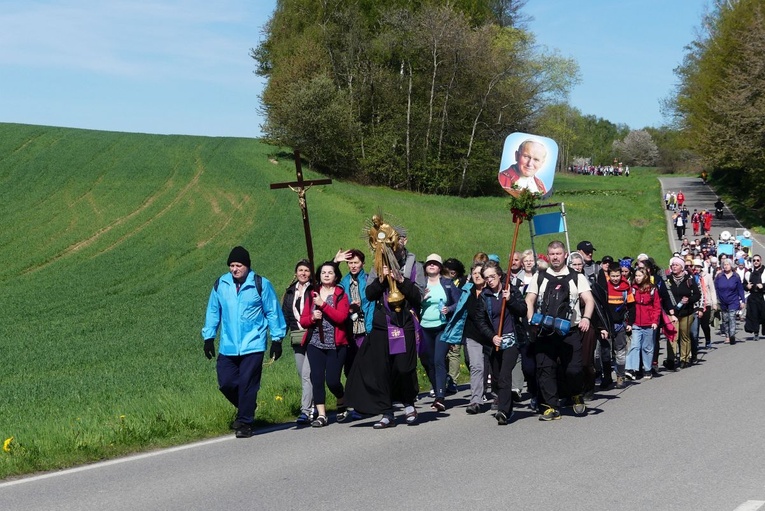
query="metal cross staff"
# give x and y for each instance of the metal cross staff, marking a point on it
(300, 187)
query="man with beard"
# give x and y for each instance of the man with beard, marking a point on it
(755, 304)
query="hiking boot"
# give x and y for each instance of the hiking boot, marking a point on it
(579, 407)
(473, 409)
(550, 414)
(502, 419)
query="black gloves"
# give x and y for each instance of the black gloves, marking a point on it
(276, 350)
(209, 348)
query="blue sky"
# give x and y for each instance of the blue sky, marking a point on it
(183, 66)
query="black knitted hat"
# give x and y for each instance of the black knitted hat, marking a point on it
(239, 255)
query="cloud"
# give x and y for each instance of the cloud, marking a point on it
(134, 39)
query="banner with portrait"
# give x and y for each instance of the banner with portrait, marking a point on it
(528, 161)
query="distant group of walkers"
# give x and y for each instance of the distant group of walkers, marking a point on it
(559, 325)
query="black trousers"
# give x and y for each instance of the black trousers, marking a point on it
(502, 365)
(554, 353)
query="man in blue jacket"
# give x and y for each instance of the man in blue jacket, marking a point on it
(246, 308)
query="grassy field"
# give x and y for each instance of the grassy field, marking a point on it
(111, 242)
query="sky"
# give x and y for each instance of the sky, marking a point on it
(183, 66)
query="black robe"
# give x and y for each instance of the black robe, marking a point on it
(377, 378)
(755, 304)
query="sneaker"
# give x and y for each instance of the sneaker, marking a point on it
(244, 431)
(629, 375)
(342, 415)
(579, 407)
(648, 376)
(551, 414)
(438, 405)
(355, 416)
(534, 405)
(451, 387)
(432, 393)
(517, 396)
(303, 419)
(473, 409)
(620, 382)
(235, 425)
(502, 419)
(589, 395)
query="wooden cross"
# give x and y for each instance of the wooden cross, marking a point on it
(300, 187)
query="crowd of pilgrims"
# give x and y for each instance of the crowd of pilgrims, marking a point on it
(547, 332)
(600, 170)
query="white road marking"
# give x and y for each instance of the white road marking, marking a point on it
(750, 505)
(102, 464)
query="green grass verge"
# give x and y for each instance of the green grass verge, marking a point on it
(111, 242)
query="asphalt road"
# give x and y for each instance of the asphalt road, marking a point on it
(687, 440)
(700, 196)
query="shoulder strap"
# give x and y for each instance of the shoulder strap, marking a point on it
(258, 284)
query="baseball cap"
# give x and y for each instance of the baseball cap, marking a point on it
(585, 246)
(434, 258)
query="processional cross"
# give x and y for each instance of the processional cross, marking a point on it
(300, 187)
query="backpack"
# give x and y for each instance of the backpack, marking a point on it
(456, 324)
(258, 284)
(556, 301)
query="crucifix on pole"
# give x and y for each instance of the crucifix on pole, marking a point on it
(300, 187)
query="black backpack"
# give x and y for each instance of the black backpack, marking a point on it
(555, 301)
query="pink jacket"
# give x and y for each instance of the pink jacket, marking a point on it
(337, 315)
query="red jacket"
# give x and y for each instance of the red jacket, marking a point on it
(647, 307)
(337, 315)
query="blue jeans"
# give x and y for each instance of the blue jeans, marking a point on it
(428, 356)
(642, 343)
(442, 349)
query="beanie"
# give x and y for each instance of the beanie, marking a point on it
(239, 255)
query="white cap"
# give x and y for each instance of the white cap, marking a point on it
(434, 258)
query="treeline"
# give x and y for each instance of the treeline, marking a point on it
(719, 105)
(409, 94)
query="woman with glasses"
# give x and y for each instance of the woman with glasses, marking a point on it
(506, 329)
(576, 261)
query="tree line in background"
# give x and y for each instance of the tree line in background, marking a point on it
(420, 94)
(416, 95)
(719, 104)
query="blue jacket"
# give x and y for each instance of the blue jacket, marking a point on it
(246, 316)
(367, 307)
(455, 326)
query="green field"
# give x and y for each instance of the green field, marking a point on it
(110, 243)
